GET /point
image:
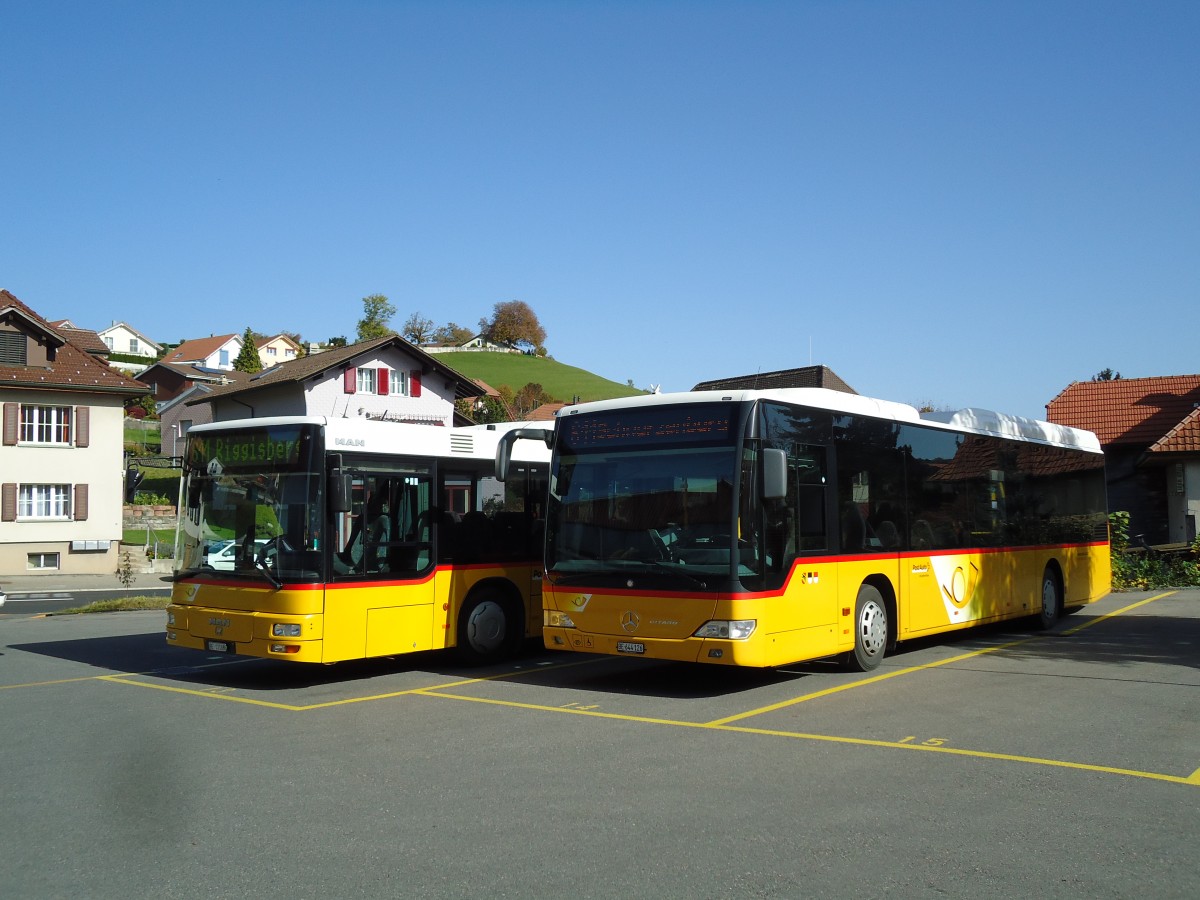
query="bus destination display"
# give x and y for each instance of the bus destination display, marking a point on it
(276, 448)
(658, 425)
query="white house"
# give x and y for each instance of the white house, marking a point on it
(126, 340)
(387, 378)
(215, 352)
(61, 457)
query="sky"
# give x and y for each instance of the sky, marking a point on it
(951, 204)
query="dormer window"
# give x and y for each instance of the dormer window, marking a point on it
(14, 349)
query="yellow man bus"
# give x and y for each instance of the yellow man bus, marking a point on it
(318, 540)
(757, 528)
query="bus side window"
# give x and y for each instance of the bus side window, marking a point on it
(810, 499)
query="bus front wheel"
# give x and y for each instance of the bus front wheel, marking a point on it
(870, 630)
(486, 629)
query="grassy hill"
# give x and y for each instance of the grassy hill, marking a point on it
(516, 370)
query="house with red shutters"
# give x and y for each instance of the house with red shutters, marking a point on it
(386, 378)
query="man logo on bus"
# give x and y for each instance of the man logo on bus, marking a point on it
(630, 621)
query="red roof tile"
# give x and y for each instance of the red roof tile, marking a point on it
(73, 368)
(1127, 410)
(1183, 438)
(198, 349)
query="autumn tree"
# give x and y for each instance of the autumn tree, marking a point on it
(248, 359)
(515, 324)
(417, 329)
(377, 312)
(528, 399)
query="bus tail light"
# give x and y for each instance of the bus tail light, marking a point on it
(552, 618)
(733, 630)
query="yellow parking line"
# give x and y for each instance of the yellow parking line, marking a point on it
(1118, 612)
(126, 678)
(783, 704)
(908, 671)
(29, 684)
(826, 738)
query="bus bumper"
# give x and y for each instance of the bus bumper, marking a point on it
(264, 635)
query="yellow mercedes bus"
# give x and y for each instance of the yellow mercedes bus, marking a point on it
(317, 540)
(757, 528)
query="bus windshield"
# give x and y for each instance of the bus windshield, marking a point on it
(252, 504)
(647, 493)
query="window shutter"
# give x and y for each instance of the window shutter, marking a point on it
(8, 503)
(381, 383)
(83, 421)
(12, 417)
(81, 502)
(351, 380)
(414, 380)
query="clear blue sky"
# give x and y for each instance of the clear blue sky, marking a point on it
(956, 203)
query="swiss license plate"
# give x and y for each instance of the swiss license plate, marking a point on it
(630, 647)
(219, 646)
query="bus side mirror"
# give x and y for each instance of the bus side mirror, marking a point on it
(774, 474)
(339, 491)
(504, 448)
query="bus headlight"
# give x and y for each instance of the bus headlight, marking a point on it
(733, 630)
(282, 630)
(170, 617)
(552, 618)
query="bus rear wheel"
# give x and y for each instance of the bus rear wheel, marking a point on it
(487, 629)
(870, 630)
(1051, 599)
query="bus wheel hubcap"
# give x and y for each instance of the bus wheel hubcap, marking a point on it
(485, 626)
(872, 627)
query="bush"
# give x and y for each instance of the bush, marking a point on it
(1140, 569)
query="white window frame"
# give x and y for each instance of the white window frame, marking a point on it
(367, 380)
(42, 560)
(398, 382)
(44, 502)
(46, 425)
(133, 346)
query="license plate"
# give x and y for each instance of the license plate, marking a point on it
(630, 647)
(219, 646)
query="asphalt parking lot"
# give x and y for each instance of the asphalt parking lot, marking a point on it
(999, 762)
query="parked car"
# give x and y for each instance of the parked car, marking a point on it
(222, 554)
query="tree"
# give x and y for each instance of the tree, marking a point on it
(515, 324)
(377, 312)
(417, 329)
(248, 359)
(1106, 375)
(339, 341)
(453, 334)
(528, 399)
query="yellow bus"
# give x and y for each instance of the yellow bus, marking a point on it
(758, 528)
(318, 540)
